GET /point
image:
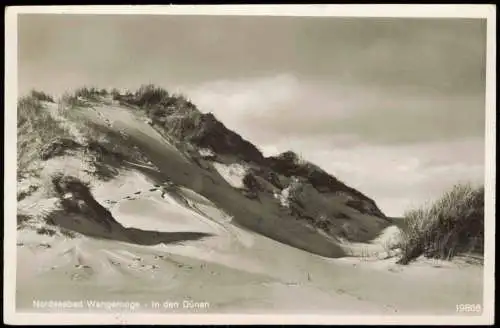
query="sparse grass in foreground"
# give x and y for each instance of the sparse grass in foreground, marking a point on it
(42, 136)
(35, 128)
(451, 225)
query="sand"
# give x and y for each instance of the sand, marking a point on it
(242, 267)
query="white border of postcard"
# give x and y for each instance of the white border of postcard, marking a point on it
(487, 12)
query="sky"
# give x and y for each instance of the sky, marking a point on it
(394, 107)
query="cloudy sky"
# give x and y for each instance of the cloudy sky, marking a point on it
(393, 107)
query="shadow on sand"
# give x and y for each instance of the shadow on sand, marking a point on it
(81, 213)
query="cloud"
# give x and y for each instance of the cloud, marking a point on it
(269, 107)
(445, 55)
(252, 97)
(283, 107)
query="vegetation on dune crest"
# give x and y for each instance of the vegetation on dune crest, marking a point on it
(290, 164)
(91, 93)
(451, 225)
(178, 117)
(80, 95)
(152, 97)
(41, 96)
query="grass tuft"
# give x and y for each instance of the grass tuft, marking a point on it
(41, 96)
(451, 225)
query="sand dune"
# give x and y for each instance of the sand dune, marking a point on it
(199, 241)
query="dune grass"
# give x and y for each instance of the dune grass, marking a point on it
(35, 128)
(451, 225)
(43, 134)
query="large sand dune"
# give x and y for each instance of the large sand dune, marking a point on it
(240, 263)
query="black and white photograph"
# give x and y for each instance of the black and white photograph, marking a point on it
(220, 164)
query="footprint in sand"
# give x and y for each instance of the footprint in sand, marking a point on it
(137, 193)
(391, 308)
(76, 276)
(154, 266)
(44, 245)
(81, 266)
(395, 270)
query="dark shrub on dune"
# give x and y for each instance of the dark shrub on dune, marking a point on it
(290, 164)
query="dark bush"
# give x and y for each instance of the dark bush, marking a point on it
(58, 147)
(42, 96)
(149, 96)
(251, 183)
(289, 164)
(90, 93)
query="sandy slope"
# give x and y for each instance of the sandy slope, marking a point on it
(237, 268)
(182, 171)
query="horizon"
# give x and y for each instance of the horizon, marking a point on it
(417, 129)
